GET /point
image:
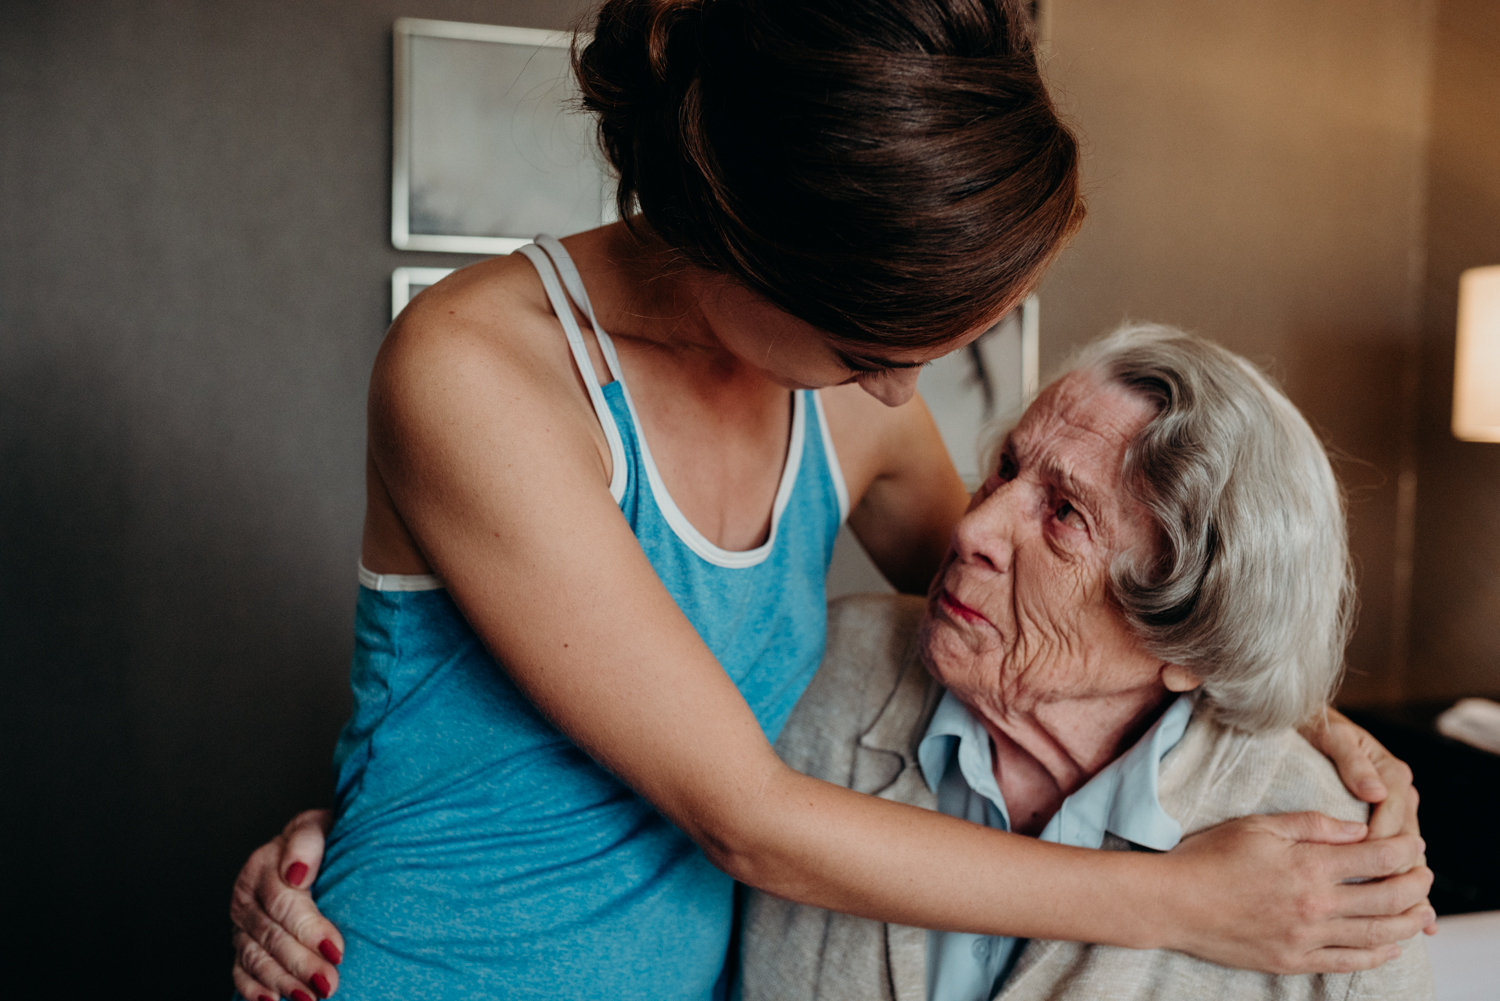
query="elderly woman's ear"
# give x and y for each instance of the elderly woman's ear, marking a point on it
(1176, 678)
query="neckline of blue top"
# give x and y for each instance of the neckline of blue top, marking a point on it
(564, 287)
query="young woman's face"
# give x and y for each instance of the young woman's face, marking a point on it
(797, 355)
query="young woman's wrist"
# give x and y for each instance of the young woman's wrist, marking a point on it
(1140, 905)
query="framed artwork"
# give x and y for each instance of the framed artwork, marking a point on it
(975, 392)
(489, 147)
(407, 282)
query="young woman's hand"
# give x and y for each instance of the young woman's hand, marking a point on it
(283, 946)
(1370, 772)
(1269, 893)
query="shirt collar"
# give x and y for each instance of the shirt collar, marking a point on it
(955, 730)
(1122, 799)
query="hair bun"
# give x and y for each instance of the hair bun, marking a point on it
(889, 171)
(644, 53)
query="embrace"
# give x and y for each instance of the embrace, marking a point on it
(604, 478)
(1125, 632)
(1144, 598)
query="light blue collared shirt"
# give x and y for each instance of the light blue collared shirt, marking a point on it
(1121, 800)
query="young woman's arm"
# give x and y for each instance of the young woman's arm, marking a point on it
(500, 482)
(906, 494)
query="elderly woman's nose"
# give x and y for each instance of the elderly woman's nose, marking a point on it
(987, 534)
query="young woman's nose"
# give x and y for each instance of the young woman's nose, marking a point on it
(893, 387)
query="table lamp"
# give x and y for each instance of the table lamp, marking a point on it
(1476, 372)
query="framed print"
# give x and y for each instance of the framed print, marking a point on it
(974, 392)
(489, 147)
(407, 282)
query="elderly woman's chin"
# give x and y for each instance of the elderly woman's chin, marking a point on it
(966, 658)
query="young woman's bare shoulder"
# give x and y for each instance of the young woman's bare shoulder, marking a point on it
(494, 313)
(476, 355)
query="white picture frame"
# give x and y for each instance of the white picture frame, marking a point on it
(488, 145)
(407, 282)
(978, 390)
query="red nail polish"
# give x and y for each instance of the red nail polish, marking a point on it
(330, 952)
(300, 995)
(320, 984)
(295, 874)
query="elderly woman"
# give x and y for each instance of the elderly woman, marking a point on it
(1142, 601)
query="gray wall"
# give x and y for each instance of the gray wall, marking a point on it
(194, 277)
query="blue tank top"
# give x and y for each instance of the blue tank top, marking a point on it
(477, 853)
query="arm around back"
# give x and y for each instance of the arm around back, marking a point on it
(1213, 775)
(491, 456)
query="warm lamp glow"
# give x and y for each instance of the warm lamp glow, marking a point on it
(1476, 374)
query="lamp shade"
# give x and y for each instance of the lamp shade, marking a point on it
(1476, 372)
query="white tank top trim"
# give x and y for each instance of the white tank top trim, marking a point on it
(557, 255)
(574, 334)
(548, 251)
(835, 471)
(399, 581)
(684, 529)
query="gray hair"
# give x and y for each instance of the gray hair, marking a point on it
(1252, 589)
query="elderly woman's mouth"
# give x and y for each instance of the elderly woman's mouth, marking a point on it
(959, 610)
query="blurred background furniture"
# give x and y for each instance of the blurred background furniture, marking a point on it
(1465, 956)
(1460, 806)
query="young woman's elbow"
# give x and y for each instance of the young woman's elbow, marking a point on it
(750, 837)
(760, 866)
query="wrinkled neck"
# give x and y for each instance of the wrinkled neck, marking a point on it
(1043, 755)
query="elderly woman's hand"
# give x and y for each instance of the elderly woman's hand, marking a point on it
(1371, 772)
(1271, 893)
(283, 946)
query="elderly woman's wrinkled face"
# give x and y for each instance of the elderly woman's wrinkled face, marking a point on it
(1020, 613)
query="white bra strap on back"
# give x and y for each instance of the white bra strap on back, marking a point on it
(559, 301)
(573, 282)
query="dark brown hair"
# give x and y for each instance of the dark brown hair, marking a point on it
(890, 171)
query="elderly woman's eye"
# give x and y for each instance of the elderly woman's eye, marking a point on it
(1068, 513)
(1007, 470)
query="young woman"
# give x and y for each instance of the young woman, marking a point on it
(605, 477)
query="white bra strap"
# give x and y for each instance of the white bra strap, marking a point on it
(559, 301)
(564, 313)
(573, 282)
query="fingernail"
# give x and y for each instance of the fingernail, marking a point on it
(300, 995)
(330, 952)
(295, 874)
(1393, 952)
(320, 984)
(1350, 826)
